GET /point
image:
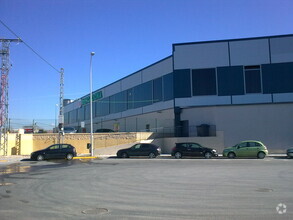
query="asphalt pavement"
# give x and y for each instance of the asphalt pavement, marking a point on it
(159, 188)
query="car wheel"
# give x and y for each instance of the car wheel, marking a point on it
(231, 155)
(152, 155)
(208, 155)
(40, 157)
(261, 155)
(178, 155)
(69, 156)
(124, 155)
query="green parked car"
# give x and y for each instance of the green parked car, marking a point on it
(246, 149)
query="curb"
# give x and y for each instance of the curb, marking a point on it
(74, 158)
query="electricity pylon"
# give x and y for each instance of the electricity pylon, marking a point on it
(5, 67)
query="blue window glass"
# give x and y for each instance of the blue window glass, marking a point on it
(230, 80)
(66, 118)
(168, 87)
(129, 97)
(143, 94)
(87, 111)
(103, 107)
(118, 102)
(252, 79)
(277, 78)
(204, 82)
(158, 90)
(182, 85)
(72, 116)
(80, 114)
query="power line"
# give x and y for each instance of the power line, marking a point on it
(26, 44)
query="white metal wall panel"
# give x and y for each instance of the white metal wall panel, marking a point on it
(282, 49)
(155, 71)
(269, 123)
(112, 116)
(158, 106)
(283, 97)
(205, 55)
(131, 112)
(252, 99)
(203, 101)
(131, 81)
(249, 52)
(112, 89)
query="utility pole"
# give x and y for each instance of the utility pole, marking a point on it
(61, 108)
(5, 67)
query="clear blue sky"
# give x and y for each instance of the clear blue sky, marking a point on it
(126, 35)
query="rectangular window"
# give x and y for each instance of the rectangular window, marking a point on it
(66, 118)
(182, 85)
(143, 94)
(204, 82)
(252, 79)
(230, 81)
(158, 90)
(168, 87)
(80, 114)
(87, 111)
(277, 78)
(102, 107)
(121, 101)
(72, 116)
(118, 102)
(129, 97)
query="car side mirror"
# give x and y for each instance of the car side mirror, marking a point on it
(238, 147)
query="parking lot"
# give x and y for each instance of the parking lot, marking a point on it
(162, 188)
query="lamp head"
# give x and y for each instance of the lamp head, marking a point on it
(92, 53)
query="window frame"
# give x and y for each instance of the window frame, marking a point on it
(252, 68)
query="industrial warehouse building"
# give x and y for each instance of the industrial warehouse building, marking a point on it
(241, 88)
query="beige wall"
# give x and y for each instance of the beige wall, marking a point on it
(19, 144)
(24, 144)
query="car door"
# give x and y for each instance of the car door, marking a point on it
(145, 150)
(253, 149)
(53, 152)
(184, 149)
(64, 150)
(135, 150)
(242, 150)
(195, 150)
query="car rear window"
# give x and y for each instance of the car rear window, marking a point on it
(65, 146)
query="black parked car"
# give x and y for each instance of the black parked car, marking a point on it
(56, 151)
(192, 150)
(149, 150)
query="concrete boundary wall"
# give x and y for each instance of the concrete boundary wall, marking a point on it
(110, 143)
(24, 144)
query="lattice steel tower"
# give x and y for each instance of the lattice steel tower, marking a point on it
(5, 67)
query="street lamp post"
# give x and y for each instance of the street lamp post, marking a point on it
(91, 104)
(55, 128)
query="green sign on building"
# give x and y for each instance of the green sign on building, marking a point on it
(96, 96)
